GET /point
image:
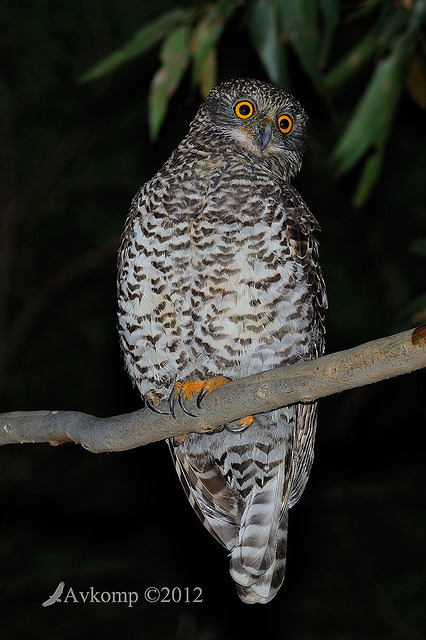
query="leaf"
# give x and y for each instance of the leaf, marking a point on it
(370, 124)
(143, 39)
(299, 24)
(352, 62)
(416, 81)
(376, 41)
(204, 38)
(369, 176)
(208, 73)
(175, 59)
(416, 17)
(330, 14)
(264, 31)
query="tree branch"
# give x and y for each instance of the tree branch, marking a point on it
(301, 382)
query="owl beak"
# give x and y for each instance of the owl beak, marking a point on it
(262, 135)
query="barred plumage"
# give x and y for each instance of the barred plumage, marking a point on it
(219, 275)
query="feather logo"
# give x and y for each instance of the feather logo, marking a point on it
(56, 595)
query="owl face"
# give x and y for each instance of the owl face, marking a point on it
(262, 119)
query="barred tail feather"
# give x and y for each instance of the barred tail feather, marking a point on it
(264, 587)
(242, 487)
(257, 564)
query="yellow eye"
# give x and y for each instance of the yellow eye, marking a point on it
(244, 109)
(285, 123)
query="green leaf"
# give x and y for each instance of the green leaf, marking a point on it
(371, 122)
(369, 176)
(264, 31)
(143, 39)
(416, 17)
(330, 15)
(204, 38)
(416, 80)
(363, 9)
(299, 24)
(208, 73)
(174, 57)
(373, 43)
(352, 62)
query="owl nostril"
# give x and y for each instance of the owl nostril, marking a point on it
(262, 136)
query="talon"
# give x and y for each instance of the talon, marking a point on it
(209, 385)
(182, 406)
(151, 404)
(184, 391)
(172, 400)
(203, 392)
(242, 424)
(246, 422)
(177, 394)
(181, 392)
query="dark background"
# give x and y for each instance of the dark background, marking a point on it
(72, 156)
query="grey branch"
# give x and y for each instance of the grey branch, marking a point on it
(302, 382)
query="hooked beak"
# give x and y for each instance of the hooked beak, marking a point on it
(262, 135)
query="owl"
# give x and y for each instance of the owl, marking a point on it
(218, 278)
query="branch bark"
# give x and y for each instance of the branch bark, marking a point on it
(266, 391)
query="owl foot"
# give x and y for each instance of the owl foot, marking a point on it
(184, 391)
(242, 424)
(152, 400)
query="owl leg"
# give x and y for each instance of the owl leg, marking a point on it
(184, 391)
(242, 424)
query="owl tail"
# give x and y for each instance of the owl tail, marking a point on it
(258, 562)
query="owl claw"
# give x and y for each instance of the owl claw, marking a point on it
(201, 394)
(172, 405)
(183, 391)
(176, 393)
(182, 406)
(242, 425)
(208, 386)
(149, 403)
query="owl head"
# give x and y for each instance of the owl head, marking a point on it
(264, 121)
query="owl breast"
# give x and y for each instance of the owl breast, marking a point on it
(208, 283)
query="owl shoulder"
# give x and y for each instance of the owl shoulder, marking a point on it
(297, 212)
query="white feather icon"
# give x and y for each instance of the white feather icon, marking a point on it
(56, 595)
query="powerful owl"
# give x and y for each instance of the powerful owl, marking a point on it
(218, 278)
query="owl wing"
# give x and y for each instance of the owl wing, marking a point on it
(218, 506)
(300, 227)
(303, 451)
